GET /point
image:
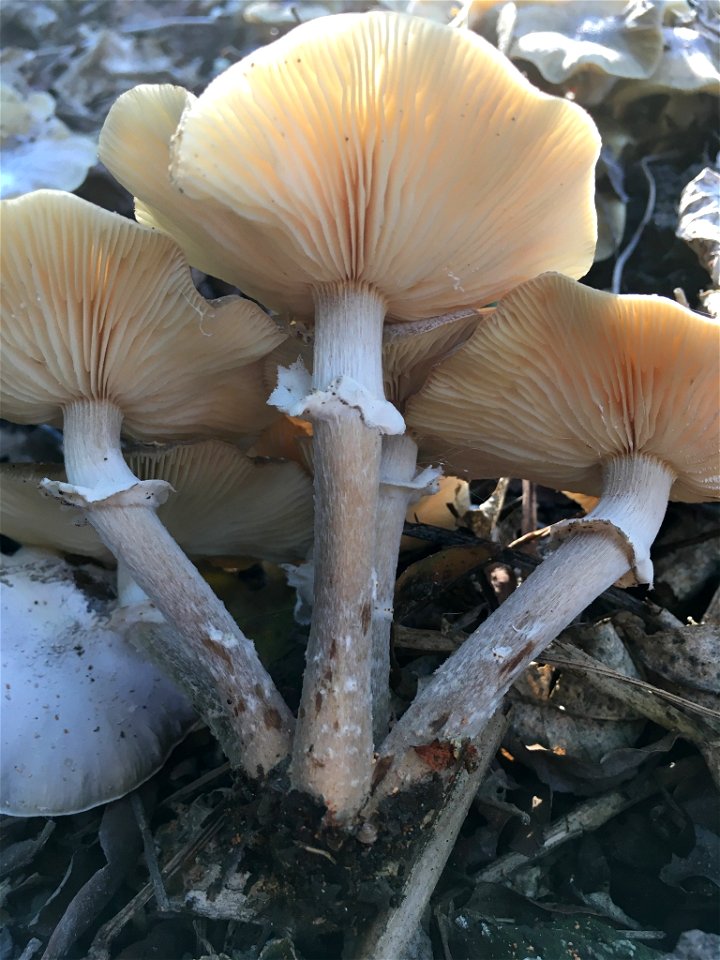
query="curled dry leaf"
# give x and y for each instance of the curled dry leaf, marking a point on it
(36, 147)
(699, 220)
(689, 655)
(563, 713)
(612, 37)
(688, 62)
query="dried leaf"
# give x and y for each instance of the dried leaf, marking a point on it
(699, 220)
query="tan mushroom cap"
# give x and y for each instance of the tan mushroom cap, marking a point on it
(135, 145)
(409, 352)
(563, 378)
(97, 307)
(385, 150)
(287, 439)
(227, 504)
(36, 520)
(408, 360)
(224, 504)
(437, 509)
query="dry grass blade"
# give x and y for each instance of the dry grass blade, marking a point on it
(645, 694)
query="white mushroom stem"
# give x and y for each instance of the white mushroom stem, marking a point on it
(333, 749)
(467, 689)
(399, 487)
(215, 664)
(397, 469)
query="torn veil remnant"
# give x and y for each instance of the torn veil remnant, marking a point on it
(112, 335)
(338, 169)
(625, 406)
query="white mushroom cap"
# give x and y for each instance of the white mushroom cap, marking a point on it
(378, 149)
(135, 146)
(83, 718)
(562, 379)
(96, 307)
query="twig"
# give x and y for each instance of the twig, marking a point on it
(197, 784)
(483, 519)
(666, 548)
(120, 844)
(615, 598)
(391, 931)
(425, 641)
(19, 854)
(447, 955)
(31, 949)
(529, 507)
(162, 24)
(161, 897)
(586, 664)
(100, 947)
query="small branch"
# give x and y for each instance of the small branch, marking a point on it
(100, 947)
(644, 697)
(529, 507)
(391, 931)
(161, 897)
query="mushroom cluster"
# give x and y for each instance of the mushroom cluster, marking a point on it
(334, 175)
(400, 190)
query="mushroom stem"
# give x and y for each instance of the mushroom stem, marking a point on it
(333, 749)
(397, 471)
(467, 689)
(216, 664)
